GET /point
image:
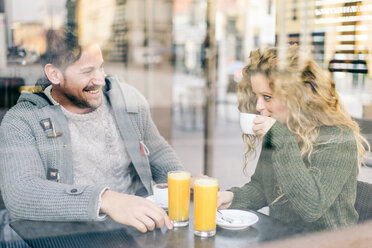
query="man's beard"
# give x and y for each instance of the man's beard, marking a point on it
(80, 103)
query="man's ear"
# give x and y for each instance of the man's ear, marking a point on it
(54, 74)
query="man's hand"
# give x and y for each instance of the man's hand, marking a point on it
(262, 124)
(134, 211)
(224, 199)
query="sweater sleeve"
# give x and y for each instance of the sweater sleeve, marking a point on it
(26, 191)
(162, 157)
(312, 190)
(250, 196)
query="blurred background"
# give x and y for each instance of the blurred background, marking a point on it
(186, 57)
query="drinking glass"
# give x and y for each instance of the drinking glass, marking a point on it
(205, 206)
(179, 197)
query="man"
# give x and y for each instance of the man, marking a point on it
(83, 147)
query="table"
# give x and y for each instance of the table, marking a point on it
(111, 234)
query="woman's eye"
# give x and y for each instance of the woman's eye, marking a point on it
(266, 97)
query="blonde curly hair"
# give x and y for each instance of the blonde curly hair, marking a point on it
(308, 93)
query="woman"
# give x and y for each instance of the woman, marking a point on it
(311, 150)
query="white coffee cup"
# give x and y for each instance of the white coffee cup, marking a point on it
(246, 123)
(161, 194)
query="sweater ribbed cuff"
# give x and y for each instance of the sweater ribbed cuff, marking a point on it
(238, 199)
(100, 215)
(278, 135)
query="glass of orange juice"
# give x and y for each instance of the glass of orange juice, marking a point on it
(205, 206)
(179, 197)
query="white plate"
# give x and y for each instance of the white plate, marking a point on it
(243, 219)
(160, 204)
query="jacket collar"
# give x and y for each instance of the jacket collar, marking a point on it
(38, 98)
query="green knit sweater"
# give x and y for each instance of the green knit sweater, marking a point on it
(314, 195)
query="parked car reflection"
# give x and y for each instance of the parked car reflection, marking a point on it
(19, 55)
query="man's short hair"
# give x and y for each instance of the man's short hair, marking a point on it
(62, 50)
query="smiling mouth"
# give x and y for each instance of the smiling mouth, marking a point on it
(92, 91)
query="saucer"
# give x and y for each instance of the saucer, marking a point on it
(243, 219)
(160, 204)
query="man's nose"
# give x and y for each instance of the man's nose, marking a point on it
(99, 78)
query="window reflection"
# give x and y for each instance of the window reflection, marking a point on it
(159, 47)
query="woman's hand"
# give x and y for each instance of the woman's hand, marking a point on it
(224, 199)
(262, 124)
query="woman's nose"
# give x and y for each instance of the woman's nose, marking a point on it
(260, 105)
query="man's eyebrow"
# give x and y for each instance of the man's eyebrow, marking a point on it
(90, 67)
(86, 68)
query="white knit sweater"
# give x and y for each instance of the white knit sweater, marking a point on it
(99, 154)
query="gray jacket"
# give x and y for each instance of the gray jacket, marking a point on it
(36, 173)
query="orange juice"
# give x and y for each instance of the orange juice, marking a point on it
(179, 197)
(205, 206)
